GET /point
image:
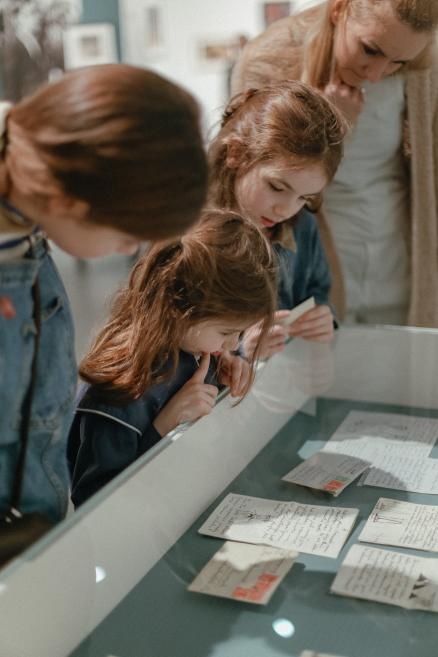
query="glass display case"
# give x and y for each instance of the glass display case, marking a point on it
(111, 580)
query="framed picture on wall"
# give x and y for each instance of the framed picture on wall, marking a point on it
(144, 30)
(89, 44)
(216, 50)
(273, 11)
(31, 42)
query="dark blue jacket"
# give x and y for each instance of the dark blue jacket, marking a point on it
(105, 438)
(305, 272)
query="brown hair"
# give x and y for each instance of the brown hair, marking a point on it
(223, 267)
(420, 15)
(287, 120)
(122, 139)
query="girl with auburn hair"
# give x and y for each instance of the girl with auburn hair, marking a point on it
(103, 158)
(277, 149)
(168, 344)
(377, 60)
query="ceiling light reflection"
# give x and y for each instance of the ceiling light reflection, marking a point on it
(283, 628)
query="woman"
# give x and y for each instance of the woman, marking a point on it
(103, 158)
(377, 60)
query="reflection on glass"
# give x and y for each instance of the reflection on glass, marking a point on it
(283, 628)
(295, 376)
(100, 574)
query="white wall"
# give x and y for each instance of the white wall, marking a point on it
(187, 23)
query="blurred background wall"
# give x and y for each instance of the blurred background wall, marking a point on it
(193, 42)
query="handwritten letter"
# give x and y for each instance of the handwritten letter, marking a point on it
(320, 530)
(389, 577)
(403, 524)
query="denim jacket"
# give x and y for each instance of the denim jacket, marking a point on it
(45, 484)
(304, 272)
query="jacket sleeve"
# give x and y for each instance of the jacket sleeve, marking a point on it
(320, 281)
(337, 288)
(99, 448)
(319, 284)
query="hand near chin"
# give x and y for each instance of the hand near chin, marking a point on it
(234, 372)
(350, 100)
(316, 324)
(194, 400)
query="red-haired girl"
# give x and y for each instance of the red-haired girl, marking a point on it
(168, 344)
(277, 149)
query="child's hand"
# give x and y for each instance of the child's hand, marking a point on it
(316, 324)
(234, 372)
(274, 341)
(7, 309)
(191, 402)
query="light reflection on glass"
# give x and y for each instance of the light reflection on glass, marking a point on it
(283, 628)
(100, 574)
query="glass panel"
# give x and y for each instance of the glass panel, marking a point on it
(114, 580)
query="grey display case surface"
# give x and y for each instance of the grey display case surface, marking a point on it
(111, 581)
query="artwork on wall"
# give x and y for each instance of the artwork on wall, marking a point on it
(89, 44)
(273, 11)
(144, 30)
(31, 49)
(218, 53)
(152, 27)
(217, 50)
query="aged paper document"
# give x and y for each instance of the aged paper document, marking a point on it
(397, 448)
(245, 572)
(389, 577)
(320, 530)
(373, 436)
(404, 524)
(327, 471)
(399, 472)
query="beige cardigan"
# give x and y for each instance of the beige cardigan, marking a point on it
(276, 55)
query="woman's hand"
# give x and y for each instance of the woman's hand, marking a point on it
(194, 400)
(316, 324)
(234, 372)
(274, 341)
(350, 100)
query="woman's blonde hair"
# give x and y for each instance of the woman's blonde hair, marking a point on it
(223, 267)
(122, 139)
(420, 15)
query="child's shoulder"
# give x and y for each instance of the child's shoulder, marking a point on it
(131, 412)
(304, 222)
(302, 228)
